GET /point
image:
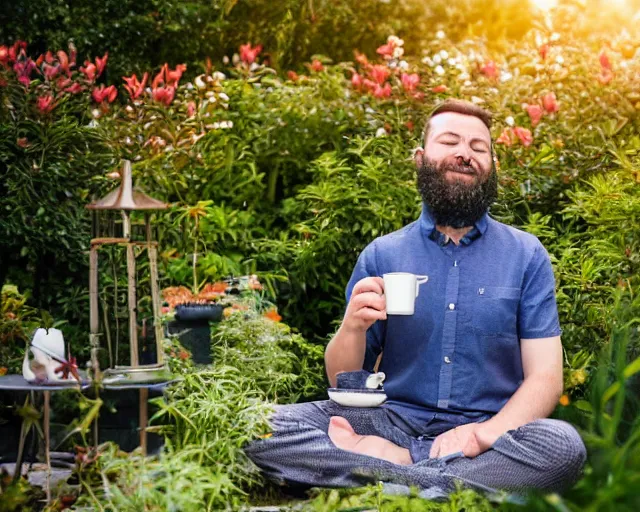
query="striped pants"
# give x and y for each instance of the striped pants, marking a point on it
(546, 454)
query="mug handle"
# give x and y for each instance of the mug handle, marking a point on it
(420, 280)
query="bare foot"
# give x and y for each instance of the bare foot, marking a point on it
(343, 436)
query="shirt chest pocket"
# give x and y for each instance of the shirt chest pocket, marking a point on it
(495, 309)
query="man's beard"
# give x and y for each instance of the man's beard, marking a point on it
(457, 204)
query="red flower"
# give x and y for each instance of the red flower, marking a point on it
(379, 73)
(23, 142)
(356, 81)
(89, 70)
(273, 315)
(49, 71)
(293, 76)
(248, 54)
(4, 55)
(524, 135)
(173, 77)
(23, 69)
(163, 95)
(134, 87)
(386, 50)
(191, 108)
(18, 48)
(506, 137)
(549, 103)
(604, 61)
(382, 92)
(440, 88)
(101, 63)
(410, 82)
(369, 85)
(489, 69)
(64, 61)
(102, 94)
(544, 51)
(535, 113)
(317, 66)
(410, 126)
(45, 103)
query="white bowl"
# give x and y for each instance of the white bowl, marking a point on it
(357, 398)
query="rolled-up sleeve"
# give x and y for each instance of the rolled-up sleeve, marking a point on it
(366, 267)
(538, 313)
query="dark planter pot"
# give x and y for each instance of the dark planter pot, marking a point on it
(192, 326)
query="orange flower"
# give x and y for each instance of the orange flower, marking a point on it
(544, 51)
(273, 315)
(524, 135)
(293, 76)
(564, 400)
(361, 58)
(134, 87)
(3, 371)
(439, 88)
(505, 137)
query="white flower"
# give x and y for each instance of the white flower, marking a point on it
(189, 86)
(440, 34)
(395, 41)
(200, 83)
(444, 54)
(554, 37)
(476, 100)
(439, 70)
(223, 96)
(559, 59)
(381, 132)
(437, 59)
(428, 61)
(393, 64)
(505, 76)
(510, 121)
(254, 66)
(452, 61)
(95, 113)
(216, 125)
(129, 108)
(398, 52)
(225, 60)
(217, 75)
(403, 64)
(464, 76)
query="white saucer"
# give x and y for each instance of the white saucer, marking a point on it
(357, 398)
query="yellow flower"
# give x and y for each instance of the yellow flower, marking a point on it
(564, 400)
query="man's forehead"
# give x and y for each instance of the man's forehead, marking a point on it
(461, 124)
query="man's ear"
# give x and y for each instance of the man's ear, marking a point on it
(418, 156)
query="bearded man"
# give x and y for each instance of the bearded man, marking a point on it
(472, 375)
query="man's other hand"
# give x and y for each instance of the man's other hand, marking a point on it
(470, 439)
(366, 305)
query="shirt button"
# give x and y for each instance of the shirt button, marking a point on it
(452, 306)
(446, 359)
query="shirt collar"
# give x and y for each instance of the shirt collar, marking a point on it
(428, 225)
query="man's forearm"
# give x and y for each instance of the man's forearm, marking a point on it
(345, 353)
(536, 398)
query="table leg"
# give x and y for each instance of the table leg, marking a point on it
(47, 441)
(143, 418)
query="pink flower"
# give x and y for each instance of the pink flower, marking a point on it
(356, 81)
(248, 54)
(386, 50)
(489, 69)
(505, 137)
(549, 103)
(101, 63)
(379, 73)
(440, 88)
(191, 108)
(369, 85)
(535, 113)
(4, 55)
(134, 87)
(524, 135)
(382, 92)
(49, 71)
(173, 77)
(45, 103)
(74, 89)
(605, 76)
(102, 94)
(410, 82)
(163, 95)
(316, 66)
(19, 48)
(23, 69)
(293, 76)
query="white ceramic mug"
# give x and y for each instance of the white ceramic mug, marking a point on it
(401, 290)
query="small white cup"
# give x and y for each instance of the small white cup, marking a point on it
(401, 290)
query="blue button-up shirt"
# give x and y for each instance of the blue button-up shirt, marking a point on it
(457, 359)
